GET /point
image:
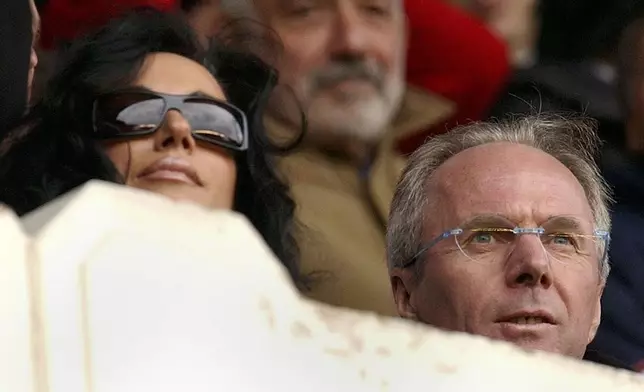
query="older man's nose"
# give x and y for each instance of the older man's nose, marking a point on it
(528, 263)
(350, 35)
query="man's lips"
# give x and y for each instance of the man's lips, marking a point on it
(528, 318)
(530, 325)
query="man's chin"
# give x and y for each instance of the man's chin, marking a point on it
(349, 92)
(352, 88)
(357, 120)
(539, 338)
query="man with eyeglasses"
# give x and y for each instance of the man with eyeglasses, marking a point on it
(501, 230)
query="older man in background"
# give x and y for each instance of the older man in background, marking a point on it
(501, 230)
(343, 64)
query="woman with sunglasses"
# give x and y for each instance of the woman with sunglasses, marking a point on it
(139, 103)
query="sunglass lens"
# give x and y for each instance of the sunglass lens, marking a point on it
(213, 123)
(124, 114)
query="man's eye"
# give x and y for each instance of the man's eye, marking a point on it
(563, 240)
(376, 10)
(301, 11)
(482, 238)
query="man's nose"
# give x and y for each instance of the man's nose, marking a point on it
(350, 36)
(528, 263)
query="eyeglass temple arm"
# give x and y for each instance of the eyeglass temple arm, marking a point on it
(431, 244)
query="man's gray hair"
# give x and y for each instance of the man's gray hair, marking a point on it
(572, 141)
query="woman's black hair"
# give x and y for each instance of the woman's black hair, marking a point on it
(54, 151)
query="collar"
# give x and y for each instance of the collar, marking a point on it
(419, 110)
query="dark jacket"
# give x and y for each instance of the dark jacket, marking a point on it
(621, 333)
(568, 88)
(15, 51)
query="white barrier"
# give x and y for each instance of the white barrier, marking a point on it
(111, 289)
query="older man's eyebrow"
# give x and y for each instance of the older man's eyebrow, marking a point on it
(288, 4)
(553, 223)
(488, 221)
(563, 224)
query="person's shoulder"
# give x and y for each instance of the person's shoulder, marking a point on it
(419, 110)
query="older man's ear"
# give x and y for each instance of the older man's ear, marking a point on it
(402, 294)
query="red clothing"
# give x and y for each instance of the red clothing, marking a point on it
(456, 56)
(64, 20)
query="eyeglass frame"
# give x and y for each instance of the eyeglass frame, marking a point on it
(176, 102)
(603, 234)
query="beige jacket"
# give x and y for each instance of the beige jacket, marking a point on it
(344, 215)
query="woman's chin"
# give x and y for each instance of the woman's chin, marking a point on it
(176, 191)
(182, 192)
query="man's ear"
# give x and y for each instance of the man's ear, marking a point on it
(401, 284)
(597, 315)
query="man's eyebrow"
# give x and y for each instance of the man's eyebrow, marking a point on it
(563, 223)
(294, 3)
(558, 223)
(488, 221)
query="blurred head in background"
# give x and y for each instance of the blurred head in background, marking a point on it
(33, 57)
(515, 21)
(19, 25)
(343, 60)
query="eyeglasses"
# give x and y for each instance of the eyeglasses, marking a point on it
(139, 112)
(486, 245)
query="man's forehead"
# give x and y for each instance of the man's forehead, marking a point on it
(501, 159)
(520, 184)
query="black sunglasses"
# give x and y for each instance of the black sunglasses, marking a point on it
(138, 112)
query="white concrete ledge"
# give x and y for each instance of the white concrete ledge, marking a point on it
(111, 289)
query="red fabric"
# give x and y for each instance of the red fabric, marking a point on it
(455, 56)
(63, 20)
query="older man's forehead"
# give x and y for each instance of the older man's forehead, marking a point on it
(531, 190)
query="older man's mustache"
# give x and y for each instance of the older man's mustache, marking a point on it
(340, 72)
